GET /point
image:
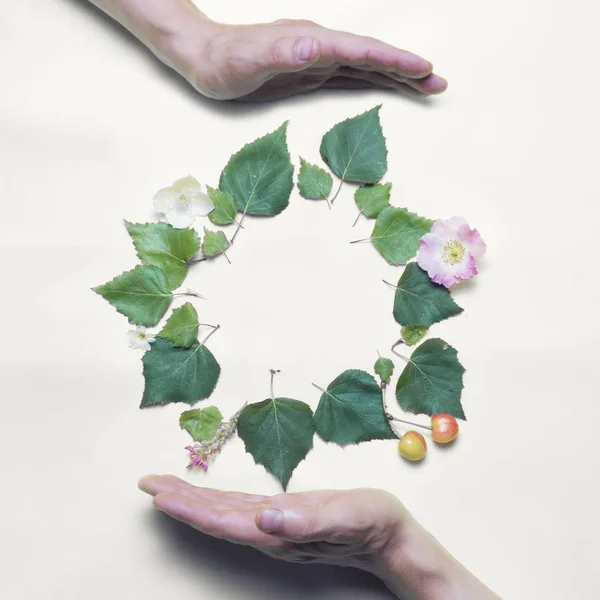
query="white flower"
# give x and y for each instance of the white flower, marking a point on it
(183, 201)
(139, 339)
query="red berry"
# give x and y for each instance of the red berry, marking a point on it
(412, 446)
(444, 428)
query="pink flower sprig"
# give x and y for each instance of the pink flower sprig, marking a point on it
(203, 452)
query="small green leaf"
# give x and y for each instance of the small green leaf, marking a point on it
(175, 374)
(420, 301)
(351, 410)
(372, 199)
(384, 367)
(182, 327)
(201, 424)
(225, 208)
(142, 294)
(314, 183)
(278, 433)
(397, 233)
(259, 176)
(161, 245)
(432, 381)
(355, 148)
(413, 334)
(215, 243)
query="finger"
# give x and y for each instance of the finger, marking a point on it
(288, 54)
(160, 484)
(352, 50)
(237, 526)
(375, 78)
(349, 83)
(432, 84)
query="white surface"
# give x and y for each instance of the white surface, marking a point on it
(90, 127)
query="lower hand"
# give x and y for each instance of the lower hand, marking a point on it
(274, 60)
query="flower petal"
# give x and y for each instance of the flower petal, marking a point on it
(473, 241)
(164, 200)
(201, 204)
(180, 217)
(187, 185)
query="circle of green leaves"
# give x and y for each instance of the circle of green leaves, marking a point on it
(278, 432)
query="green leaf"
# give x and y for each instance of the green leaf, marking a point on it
(201, 424)
(355, 148)
(225, 208)
(182, 327)
(259, 176)
(413, 334)
(384, 367)
(161, 245)
(420, 301)
(372, 199)
(314, 183)
(397, 233)
(215, 243)
(351, 410)
(142, 295)
(278, 433)
(175, 374)
(432, 381)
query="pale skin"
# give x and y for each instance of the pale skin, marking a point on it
(365, 528)
(268, 61)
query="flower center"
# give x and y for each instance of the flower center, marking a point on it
(183, 202)
(453, 252)
(141, 336)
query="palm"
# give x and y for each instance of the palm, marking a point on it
(348, 528)
(263, 62)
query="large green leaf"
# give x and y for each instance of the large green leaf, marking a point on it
(278, 433)
(161, 245)
(214, 243)
(314, 183)
(201, 423)
(142, 294)
(175, 374)
(225, 207)
(397, 233)
(372, 199)
(420, 301)
(432, 381)
(351, 410)
(259, 176)
(355, 148)
(181, 328)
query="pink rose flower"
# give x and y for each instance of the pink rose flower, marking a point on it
(449, 252)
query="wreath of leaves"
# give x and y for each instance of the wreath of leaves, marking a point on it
(278, 432)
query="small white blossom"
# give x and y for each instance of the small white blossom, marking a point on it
(183, 201)
(139, 339)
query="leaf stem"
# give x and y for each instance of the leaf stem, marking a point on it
(197, 260)
(399, 343)
(319, 388)
(360, 241)
(225, 255)
(392, 418)
(336, 192)
(390, 284)
(203, 342)
(208, 325)
(273, 373)
(189, 293)
(357, 218)
(239, 226)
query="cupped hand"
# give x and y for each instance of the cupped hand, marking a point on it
(274, 60)
(358, 528)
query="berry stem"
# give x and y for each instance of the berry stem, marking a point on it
(388, 416)
(392, 418)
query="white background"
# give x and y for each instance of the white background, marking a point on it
(91, 127)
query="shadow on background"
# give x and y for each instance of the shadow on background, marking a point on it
(199, 553)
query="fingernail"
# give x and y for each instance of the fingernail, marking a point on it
(304, 49)
(270, 520)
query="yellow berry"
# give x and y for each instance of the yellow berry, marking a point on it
(412, 446)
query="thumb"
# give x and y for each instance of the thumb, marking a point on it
(291, 54)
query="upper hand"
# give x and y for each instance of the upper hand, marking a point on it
(274, 60)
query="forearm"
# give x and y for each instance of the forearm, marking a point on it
(164, 26)
(417, 567)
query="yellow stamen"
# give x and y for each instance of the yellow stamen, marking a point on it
(453, 252)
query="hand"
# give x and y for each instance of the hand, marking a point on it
(274, 60)
(358, 528)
